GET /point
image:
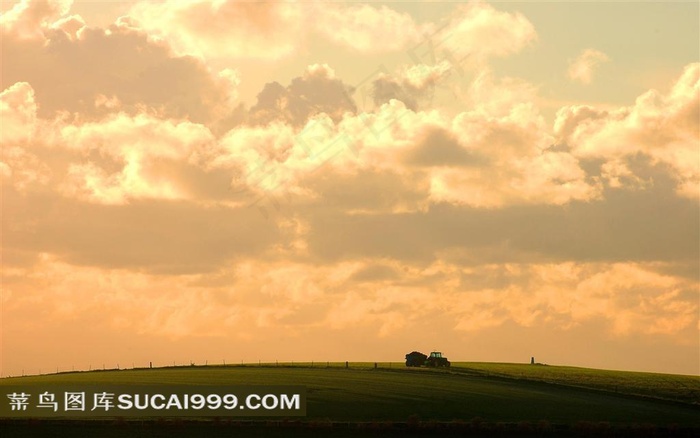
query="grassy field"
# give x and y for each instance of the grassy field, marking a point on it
(654, 385)
(513, 394)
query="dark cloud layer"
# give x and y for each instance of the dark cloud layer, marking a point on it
(440, 148)
(304, 97)
(156, 236)
(69, 75)
(626, 226)
(385, 89)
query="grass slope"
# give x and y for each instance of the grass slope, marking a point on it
(653, 385)
(492, 392)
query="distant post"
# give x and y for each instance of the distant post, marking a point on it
(150, 364)
(532, 360)
(346, 364)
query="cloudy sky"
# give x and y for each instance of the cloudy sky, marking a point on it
(222, 180)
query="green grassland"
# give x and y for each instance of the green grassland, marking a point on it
(653, 385)
(466, 392)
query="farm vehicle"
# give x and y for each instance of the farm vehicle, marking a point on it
(418, 359)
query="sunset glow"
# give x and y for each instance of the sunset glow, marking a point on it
(208, 181)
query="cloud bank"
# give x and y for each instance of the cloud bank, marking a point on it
(137, 187)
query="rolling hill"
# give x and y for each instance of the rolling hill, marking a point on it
(481, 397)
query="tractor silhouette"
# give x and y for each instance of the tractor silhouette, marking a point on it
(418, 359)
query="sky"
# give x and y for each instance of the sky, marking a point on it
(221, 181)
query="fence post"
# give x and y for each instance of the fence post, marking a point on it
(346, 364)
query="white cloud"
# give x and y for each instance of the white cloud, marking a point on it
(583, 67)
(29, 19)
(411, 84)
(140, 150)
(501, 147)
(366, 28)
(18, 113)
(477, 30)
(225, 29)
(19, 133)
(503, 142)
(71, 26)
(663, 127)
(273, 30)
